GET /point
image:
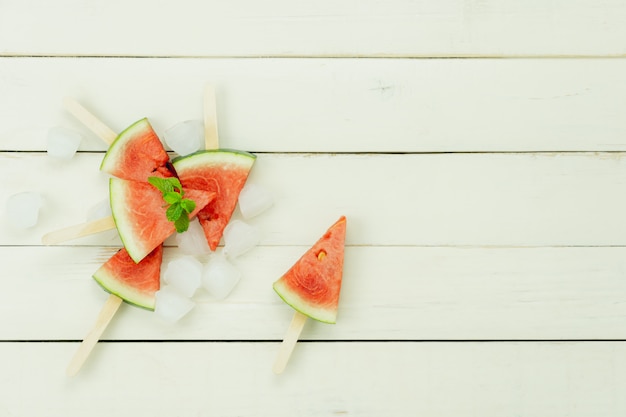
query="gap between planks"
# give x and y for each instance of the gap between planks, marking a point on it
(347, 341)
(325, 56)
(377, 153)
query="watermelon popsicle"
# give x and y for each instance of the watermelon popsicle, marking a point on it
(133, 273)
(125, 281)
(223, 171)
(113, 301)
(135, 156)
(312, 287)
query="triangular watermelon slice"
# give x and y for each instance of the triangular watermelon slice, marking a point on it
(136, 154)
(222, 171)
(139, 213)
(135, 283)
(313, 284)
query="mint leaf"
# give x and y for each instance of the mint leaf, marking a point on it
(179, 208)
(161, 184)
(188, 205)
(175, 183)
(182, 223)
(174, 212)
(172, 197)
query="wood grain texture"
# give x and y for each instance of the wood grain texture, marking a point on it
(330, 105)
(486, 246)
(562, 199)
(388, 293)
(79, 230)
(394, 379)
(292, 29)
(91, 340)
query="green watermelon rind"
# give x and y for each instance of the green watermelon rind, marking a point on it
(325, 315)
(110, 284)
(116, 191)
(117, 147)
(228, 169)
(245, 159)
(321, 308)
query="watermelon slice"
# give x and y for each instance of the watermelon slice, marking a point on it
(136, 154)
(139, 213)
(222, 171)
(135, 283)
(313, 283)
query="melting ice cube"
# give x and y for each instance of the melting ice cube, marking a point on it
(254, 200)
(220, 277)
(171, 305)
(239, 237)
(184, 274)
(62, 142)
(99, 210)
(185, 137)
(22, 209)
(193, 241)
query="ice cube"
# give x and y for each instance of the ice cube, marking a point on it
(239, 237)
(99, 210)
(62, 142)
(254, 200)
(220, 277)
(193, 241)
(184, 274)
(171, 305)
(185, 137)
(22, 209)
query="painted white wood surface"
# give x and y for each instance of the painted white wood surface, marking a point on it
(563, 199)
(332, 105)
(331, 379)
(322, 28)
(389, 293)
(470, 218)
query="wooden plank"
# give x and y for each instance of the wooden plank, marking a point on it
(284, 28)
(414, 199)
(389, 293)
(324, 379)
(330, 105)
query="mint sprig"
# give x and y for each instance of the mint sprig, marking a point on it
(178, 208)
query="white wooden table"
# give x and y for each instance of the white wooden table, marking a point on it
(485, 270)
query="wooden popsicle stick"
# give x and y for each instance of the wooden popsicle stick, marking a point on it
(108, 136)
(78, 230)
(89, 120)
(113, 302)
(211, 139)
(106, 314)
(289, 342)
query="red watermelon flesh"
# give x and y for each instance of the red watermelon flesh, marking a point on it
(139, 213)
(136, 154)
(222, 171)
(313, 283)
(135, 283)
